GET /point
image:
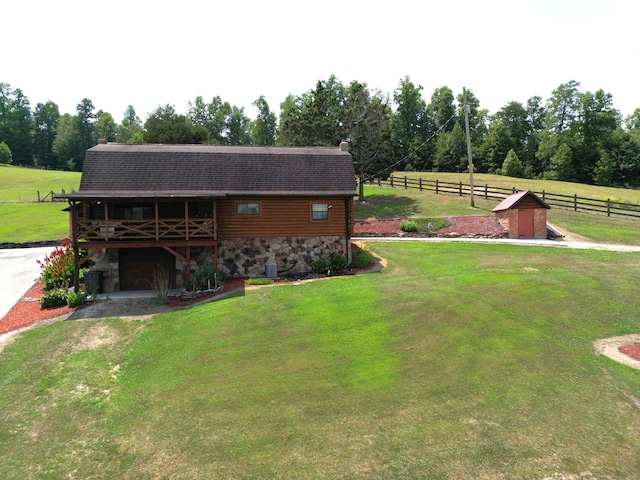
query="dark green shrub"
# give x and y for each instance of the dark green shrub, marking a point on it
(76, 299)
(361, 258)
(409, 226)
(424, 225)
(336, 264)
(54, 298)
(206, 277)
(320, 267)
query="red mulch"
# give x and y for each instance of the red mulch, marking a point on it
(27, 311)
(632, 351)
(467, 225)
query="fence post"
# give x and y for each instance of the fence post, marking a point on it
(405, 182)
(575, 202)
(391, 179)
(486, 191)
(379, 181)
(420, 183)
(51, 193)
(460, 189)
(543, 195)
(608, 207)
(436, 186)
(38, 196)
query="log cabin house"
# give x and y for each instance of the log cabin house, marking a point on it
(240, 209)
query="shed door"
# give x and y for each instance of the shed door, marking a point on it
(525, 223)
(137, 266)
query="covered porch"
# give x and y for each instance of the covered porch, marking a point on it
(175, 225)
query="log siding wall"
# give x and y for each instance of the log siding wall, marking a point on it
(284, 217)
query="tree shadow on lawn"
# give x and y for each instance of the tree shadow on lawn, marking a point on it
(386, 206)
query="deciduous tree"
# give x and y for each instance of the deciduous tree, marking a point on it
(164, 125)
(45, 119)
(264, 127)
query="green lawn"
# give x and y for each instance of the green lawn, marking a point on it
(23, 184)
(457, 361)
(561, 188)
(27, 222)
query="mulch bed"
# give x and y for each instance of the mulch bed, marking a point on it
(632, 350)
(476, 225)
(27, 311)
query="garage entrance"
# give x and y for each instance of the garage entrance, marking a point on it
(137, 266)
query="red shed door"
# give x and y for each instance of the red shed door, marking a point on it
(525, 223)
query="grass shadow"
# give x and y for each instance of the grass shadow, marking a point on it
(386, 206)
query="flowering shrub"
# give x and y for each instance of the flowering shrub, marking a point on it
(57, 268)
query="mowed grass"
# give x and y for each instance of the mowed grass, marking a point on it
(551, 186)
(28, 222)
(456, 361)
(22, 184)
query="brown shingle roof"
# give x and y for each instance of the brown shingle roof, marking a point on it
(513, 200)
(214, 171)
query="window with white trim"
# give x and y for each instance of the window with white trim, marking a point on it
(319, 211)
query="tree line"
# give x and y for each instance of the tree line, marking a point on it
(571, 136)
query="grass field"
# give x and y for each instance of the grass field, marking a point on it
(19, 185)
(457, 361)
(29, 222)
(561, 188)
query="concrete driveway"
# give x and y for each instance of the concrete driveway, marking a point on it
(18, 272)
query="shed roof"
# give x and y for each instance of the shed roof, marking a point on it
(167, 171)
(512, 201)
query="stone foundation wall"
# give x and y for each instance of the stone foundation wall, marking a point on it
(199, 256)
(248, 257)
(108, 262)
(236, 258)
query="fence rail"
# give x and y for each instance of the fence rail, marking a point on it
(51, 197)
(567, 202)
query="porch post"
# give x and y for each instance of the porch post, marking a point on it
(157, 222)
(188, 275)
(186, 219)
(74, 245)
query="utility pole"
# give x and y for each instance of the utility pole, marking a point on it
(466, 125)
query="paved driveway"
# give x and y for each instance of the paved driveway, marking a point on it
(18, 272)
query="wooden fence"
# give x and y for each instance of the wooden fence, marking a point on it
(567, 202)
(51, 197)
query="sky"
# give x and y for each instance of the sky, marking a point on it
(152, 53)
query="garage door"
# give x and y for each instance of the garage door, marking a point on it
(137, 266)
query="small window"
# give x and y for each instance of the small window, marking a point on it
(320, 211)
(248, 208)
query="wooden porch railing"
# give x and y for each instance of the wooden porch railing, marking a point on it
(132, 230)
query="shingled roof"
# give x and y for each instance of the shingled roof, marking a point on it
(512, 201)
(165, 171)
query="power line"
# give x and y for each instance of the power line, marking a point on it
(416, 149)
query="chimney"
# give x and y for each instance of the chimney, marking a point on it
(344, 146)
(102, 141)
